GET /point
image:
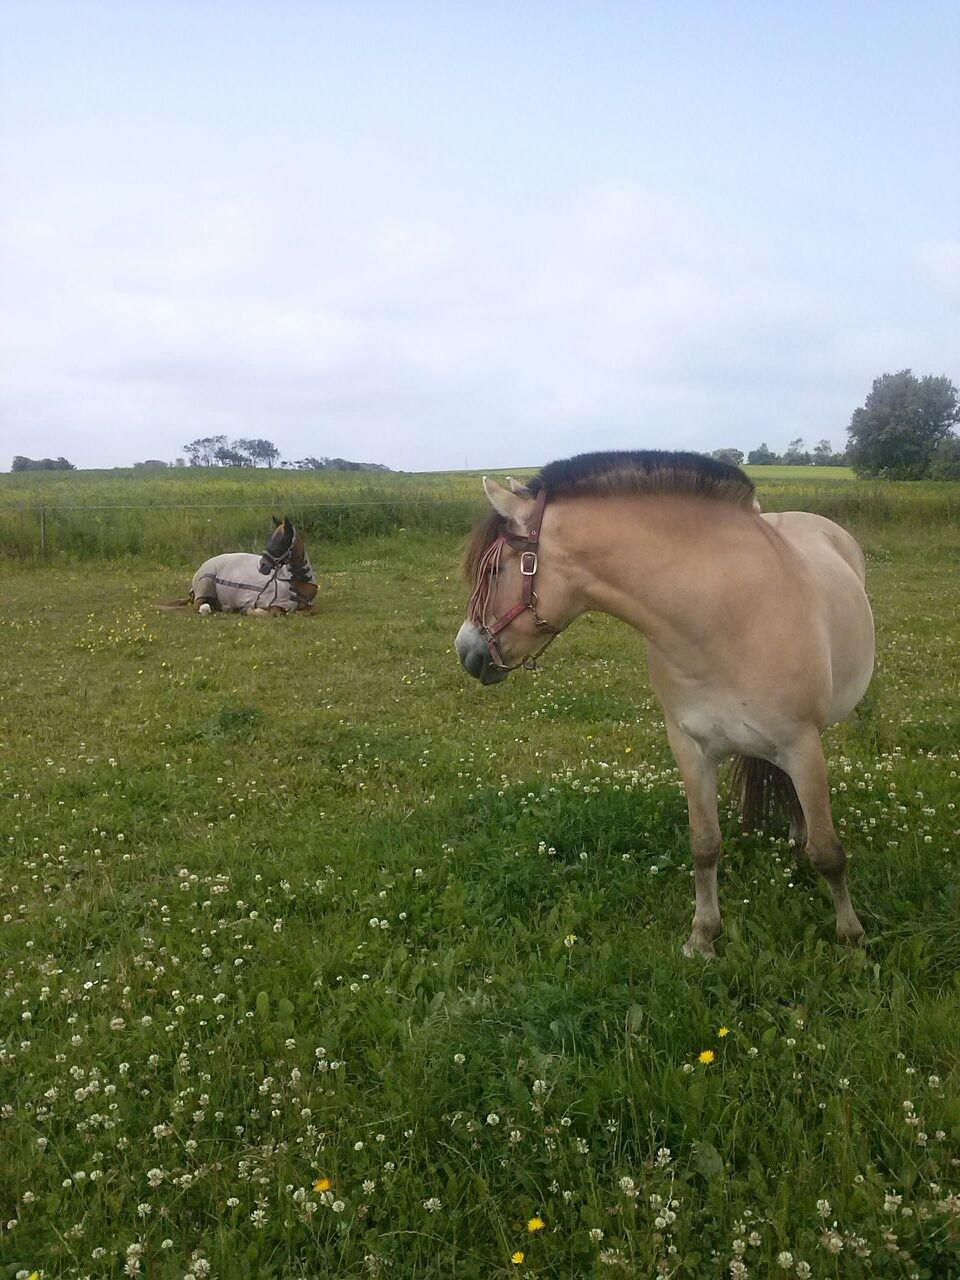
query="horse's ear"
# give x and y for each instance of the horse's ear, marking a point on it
(288, 523)
(512, 506)
(276, 522)
(516, 486)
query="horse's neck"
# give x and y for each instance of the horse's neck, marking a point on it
(659, 562)
(302, 571)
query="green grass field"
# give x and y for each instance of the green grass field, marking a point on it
(320, 960)
(180, 516)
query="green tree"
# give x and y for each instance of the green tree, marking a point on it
(231, 457)
(897, 429)
(796, 455)
(203, 452)
(824, 455)
(762, 457)
(20, 463)
(945, 463)
(259, 451)
(729, 455)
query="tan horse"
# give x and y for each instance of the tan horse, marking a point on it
(759, 632)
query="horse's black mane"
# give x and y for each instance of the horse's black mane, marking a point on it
(624, 471)
(618, 472)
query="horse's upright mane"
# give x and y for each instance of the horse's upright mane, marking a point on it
(627, 471)
(619, 472)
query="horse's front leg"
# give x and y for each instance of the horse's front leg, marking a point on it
(699, 774)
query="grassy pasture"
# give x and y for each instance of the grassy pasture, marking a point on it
(286, 902)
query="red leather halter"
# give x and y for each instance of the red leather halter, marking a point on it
(486, 573)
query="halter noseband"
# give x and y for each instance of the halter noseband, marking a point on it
(486, 571)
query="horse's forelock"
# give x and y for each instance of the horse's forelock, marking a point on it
(487, 528)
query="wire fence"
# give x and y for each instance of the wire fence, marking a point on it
(189, 532)
(182, 530)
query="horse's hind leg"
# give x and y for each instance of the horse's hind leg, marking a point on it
(808, 771)
(699, 775)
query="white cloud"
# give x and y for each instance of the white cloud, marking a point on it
(939, 263)
(621, 315)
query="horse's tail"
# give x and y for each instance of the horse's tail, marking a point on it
(765, 793)
(182, 602)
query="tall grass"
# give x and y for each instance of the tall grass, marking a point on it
(179, 517)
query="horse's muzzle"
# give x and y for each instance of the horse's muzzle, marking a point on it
(475, 656)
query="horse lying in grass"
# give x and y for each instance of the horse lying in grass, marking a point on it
(758, 628)
(280, 580)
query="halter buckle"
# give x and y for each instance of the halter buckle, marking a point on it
(528, 558)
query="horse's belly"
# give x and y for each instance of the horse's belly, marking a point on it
(721, 730)
(852, 645)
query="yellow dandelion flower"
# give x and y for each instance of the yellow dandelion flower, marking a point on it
(517, 1258)
(706, 1057)
(723, 1031)
(535, 1224)
(322, 1184)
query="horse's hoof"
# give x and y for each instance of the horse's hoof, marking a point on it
(695, 947)
(204, 608)
(852, 938)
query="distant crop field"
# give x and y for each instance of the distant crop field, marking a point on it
(802, 474)
(322, 961)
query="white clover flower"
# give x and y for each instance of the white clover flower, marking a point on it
(832, 1241)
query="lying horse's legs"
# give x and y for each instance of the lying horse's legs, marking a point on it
(699, 775)
(808, 771)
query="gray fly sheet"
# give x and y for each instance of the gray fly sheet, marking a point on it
(235, 581)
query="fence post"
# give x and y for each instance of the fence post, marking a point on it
(43, 531)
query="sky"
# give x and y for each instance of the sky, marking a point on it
(475, 235)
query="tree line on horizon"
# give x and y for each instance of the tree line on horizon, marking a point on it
(795, 455)
(904, 430)
(217, 451)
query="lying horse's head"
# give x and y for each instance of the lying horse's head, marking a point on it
(280, 546)
(285, 547)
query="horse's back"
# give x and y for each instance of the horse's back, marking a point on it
(234, 578)
(807, 531)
